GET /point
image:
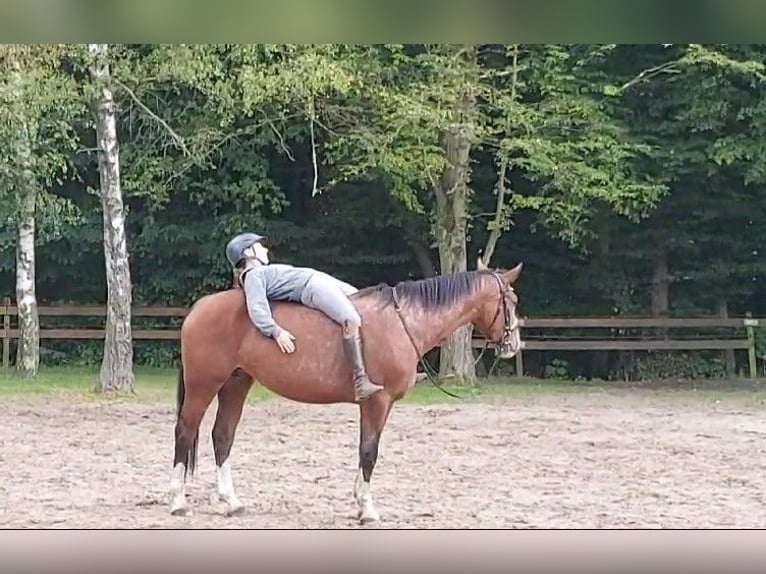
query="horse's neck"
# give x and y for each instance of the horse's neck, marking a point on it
(430, 328)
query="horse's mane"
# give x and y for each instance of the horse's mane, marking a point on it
(430, 293)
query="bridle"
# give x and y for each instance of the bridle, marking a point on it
(511, 321)
(511, 325)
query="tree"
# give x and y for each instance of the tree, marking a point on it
(422, 116)
(453, 193)
(117, 364)
(39, 104)
(411, 119)
(28, 354)
(602, 166)
(724, 119)
(705, 120)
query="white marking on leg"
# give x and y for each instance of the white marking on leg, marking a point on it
(363, 494)
(226, 488)
(178, 490)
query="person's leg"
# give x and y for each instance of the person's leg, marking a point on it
(345, 287)
(326, 295)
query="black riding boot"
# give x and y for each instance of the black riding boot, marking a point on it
(363, 386)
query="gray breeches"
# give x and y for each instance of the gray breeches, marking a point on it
(330, 295)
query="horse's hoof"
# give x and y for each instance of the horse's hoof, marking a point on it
(181, 511)
(369, 520)
(235, 510)
(368, 517)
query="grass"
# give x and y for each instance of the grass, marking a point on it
(153, 385)
(79, 382)
(157, 386)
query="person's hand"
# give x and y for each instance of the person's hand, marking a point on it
(285, 341)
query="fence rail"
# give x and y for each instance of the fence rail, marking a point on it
(617, 338)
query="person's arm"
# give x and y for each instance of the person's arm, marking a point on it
(258, 306)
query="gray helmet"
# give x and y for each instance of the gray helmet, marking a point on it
(237, 245)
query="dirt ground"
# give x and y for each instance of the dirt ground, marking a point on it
(622, 459)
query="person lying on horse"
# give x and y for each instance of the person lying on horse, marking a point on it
(263, 281)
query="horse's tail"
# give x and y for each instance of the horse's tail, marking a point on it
(191, 456)
(180, 391)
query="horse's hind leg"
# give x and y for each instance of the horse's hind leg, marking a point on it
(194, 396)
(231, 400)
(374, 413)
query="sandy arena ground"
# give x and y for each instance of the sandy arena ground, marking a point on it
(621, 459)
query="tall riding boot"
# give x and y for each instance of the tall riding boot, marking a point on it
(363, 386)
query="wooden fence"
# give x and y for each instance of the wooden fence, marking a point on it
(621, 336)
(616, 333)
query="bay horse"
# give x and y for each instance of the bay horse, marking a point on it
(222, 353)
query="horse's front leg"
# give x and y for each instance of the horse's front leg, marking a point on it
(373, 415)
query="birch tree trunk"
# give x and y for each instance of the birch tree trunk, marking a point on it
(28, 353)
(117, 363)
(452, 197)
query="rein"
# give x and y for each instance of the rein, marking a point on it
(429, 370)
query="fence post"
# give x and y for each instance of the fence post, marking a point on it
(519, 358)
(6, 333)
(520, 363)
(751, 358)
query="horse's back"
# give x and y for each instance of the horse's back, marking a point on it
(229, 304)
(218, 325)
(213, 308)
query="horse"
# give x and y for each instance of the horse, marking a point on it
(222, 353)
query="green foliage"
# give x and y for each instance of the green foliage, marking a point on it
(654, 366)
(392, 125)
(706, 120)
(557, 369)
(605, 155)
(41, 104)
(563, 137)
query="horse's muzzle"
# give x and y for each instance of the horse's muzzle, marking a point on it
(509, 349)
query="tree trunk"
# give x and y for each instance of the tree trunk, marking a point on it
(660, 304)
(497, 222)
(28, 353)
(501, 217)
(423, 257)
(415, 233)
(117, 363)
(728, 354)
(452, 197)
(660, 289)
(600, 363)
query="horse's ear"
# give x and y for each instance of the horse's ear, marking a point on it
(512, 275)
(480, 265)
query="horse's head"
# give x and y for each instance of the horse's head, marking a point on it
(497, 320)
